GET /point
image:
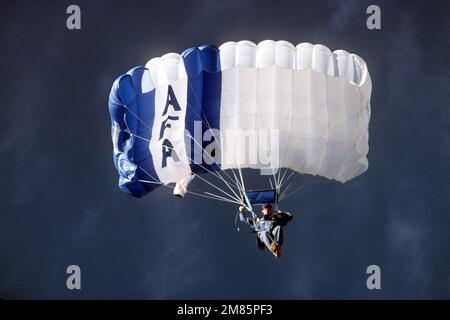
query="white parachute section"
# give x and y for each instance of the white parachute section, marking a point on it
(318, 100)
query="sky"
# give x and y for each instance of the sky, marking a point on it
(59, 200)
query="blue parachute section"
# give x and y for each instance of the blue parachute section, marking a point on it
(133, 113)
(202, 66)
(262, 196)
(128, 116)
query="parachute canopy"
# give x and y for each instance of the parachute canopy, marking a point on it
(269, 106)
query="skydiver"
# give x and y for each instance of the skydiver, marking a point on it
(269, 228)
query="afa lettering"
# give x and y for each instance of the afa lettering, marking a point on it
(165, 125)
(171, 101)
(167, 151)
(167, 146)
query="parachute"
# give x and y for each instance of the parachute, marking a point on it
(275, 107)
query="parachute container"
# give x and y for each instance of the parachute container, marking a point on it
(260, 197)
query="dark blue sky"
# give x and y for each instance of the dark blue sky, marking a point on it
(59, 200)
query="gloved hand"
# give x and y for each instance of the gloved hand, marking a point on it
(241, 209)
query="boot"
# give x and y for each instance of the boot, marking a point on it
(276, 249)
